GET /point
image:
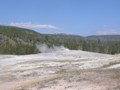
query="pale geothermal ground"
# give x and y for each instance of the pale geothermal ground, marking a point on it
(60, 70)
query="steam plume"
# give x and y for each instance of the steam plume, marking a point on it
(43, 48)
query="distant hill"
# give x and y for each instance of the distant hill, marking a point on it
(14, 40)
(104, 37)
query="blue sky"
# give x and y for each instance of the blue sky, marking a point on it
(81, 17)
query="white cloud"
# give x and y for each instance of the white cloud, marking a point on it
(31, 25)
(108, 32)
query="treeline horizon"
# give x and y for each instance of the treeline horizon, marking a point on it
(20, 41)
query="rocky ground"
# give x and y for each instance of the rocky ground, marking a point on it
(62, 70)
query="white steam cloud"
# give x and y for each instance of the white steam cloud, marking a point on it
(45, 49)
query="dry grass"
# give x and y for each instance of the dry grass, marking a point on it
(22, 85)
(111, 64)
